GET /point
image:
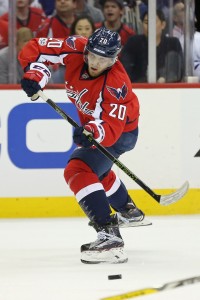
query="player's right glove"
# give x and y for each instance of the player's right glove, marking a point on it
(35, 79)
(80, 138)
(92, 128)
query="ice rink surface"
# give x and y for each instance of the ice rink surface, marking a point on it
(40, 260)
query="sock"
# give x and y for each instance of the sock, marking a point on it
(116, 191)
(89, 191)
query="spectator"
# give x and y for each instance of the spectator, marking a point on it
(196, 45)
(83, 8)
(35, 3)
(48, 6)
(58, 26)
(178, 18)
(134, 55)
(3, 7)
(24, 35)
(196, 54)
(3, 34)
(141, 5)
(113, 11)
(83, 25)
(31, 17)
(197, 14)
(163, 5)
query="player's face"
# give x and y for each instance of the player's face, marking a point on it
(112, 11)
(84, 28)
(97, 64)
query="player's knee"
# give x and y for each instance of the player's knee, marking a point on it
(78, 175)
(73, 168)
(70, 170)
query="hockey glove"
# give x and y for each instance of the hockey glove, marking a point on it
(35, 79)
(91, 128)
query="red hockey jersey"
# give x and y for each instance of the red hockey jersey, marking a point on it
(54, 27)
(3, 34)
(35, 19)
(107, 99)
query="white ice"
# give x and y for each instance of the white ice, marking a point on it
(40, 259)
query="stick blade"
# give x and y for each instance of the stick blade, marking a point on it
(174, 197)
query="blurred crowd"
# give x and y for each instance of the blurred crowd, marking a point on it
(61, 18)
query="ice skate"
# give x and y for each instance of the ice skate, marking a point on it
(108, 248)
(131, 216)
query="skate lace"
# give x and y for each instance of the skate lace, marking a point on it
(105, 239)
(103, 236)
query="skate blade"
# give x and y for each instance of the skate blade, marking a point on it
(102, 262)
(112, 256)
(135, 223)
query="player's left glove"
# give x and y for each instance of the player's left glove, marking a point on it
(35, 78)
(91, 128)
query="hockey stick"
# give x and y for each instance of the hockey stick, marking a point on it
(163, 200)
(152, 290)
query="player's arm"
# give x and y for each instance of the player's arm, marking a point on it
(35, 56)
(42, 50)
(105, 130)
(38, 54)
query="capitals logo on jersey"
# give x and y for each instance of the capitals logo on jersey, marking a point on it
(77, 97)
(119, 92)
(70, 41)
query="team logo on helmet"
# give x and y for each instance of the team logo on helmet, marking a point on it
(70, 41)
(104, 42)
(119, 92)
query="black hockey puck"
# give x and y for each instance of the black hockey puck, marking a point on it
(112, 277)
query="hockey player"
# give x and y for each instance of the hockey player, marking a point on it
(98, 85)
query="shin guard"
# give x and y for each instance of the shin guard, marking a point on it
(88, 190)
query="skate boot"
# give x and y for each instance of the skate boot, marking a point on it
(131, 216)
(108, 248)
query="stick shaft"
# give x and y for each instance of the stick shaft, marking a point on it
(152, 290)
(102, 149)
